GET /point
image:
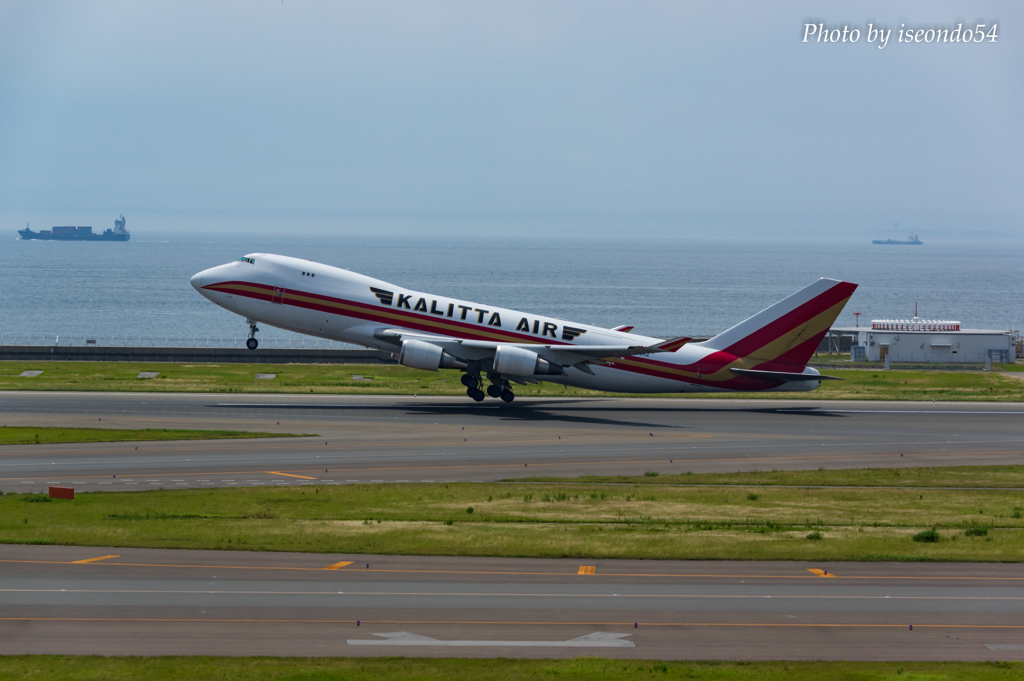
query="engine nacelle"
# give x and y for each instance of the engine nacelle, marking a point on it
(515, 361)
(427, 356)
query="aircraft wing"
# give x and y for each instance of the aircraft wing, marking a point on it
(573, 353)
(592, 352)
(565, 355)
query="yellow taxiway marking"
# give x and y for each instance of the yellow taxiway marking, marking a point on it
(506, 623)
(93, 560)
(586, 570)
(290, 475)
(820, 572)
(337, 565)
(520, 572)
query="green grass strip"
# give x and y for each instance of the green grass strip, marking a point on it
(952, 476)
(94, 668)
(1004, 384)
(552, 520)
(28, 435)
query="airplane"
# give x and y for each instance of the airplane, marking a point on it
(767, 352)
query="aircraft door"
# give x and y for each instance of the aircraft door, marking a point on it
(278, 296)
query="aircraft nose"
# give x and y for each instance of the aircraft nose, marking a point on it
(197, 280)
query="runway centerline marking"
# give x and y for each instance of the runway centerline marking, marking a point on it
(292, 475)
(789, 625)
(502, 594)
(93, 560)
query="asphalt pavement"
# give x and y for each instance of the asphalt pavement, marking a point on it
(115, 601)
(413, 439)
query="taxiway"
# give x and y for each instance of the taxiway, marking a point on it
(115, 601)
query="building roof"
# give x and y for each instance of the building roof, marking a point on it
(868, 329)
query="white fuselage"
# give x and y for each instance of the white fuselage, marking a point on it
(327, 302)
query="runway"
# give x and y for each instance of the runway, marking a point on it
(413, 439)
(111, 601)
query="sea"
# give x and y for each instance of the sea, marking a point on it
(138, 292)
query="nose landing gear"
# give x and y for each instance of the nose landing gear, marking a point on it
(252, 343)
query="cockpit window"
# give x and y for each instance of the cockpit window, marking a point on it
(251, 261)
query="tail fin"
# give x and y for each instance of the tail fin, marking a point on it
(786, 334)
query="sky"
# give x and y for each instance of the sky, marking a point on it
(575, 117)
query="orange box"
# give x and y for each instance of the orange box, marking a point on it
(62, 492)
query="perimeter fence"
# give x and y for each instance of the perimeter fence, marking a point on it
(968, 364)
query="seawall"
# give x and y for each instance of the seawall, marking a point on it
(40, 353)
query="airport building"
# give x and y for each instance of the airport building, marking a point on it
(929, 340)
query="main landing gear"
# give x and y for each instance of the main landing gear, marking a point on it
(471, 382)
(252, 343)
(501, 391)
(499, 388)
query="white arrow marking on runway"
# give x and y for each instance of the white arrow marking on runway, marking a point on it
(598, 639)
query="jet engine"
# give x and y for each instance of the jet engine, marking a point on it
(422, 355)
(515, 361)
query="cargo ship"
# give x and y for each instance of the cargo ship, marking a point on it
(911, 241)
(118, 233)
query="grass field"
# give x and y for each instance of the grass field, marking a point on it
(957, 476)
(93, 668)
(399, 380)
(28, 435)
(587, 520)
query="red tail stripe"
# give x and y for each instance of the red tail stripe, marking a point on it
(794, 358)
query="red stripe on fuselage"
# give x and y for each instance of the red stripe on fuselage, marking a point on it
(374, 313)
(650, 368)
(709, 364)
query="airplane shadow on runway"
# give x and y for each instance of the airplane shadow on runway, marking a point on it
(541, 411)
(501, 411)
(547, 411)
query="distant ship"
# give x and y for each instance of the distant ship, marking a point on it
(118, 233)
(911, 241)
